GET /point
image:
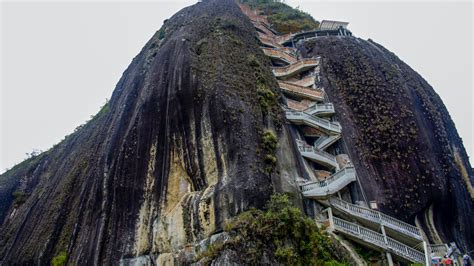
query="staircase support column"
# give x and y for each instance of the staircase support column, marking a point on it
(387, 253)
(331, 221)
(389, 259)
(427, 253)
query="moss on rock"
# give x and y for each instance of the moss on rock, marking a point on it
(280, 234)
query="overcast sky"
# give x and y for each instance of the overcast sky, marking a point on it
(61, 60)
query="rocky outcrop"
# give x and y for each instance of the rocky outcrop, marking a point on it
(176, 152)
(405, 147)
(194, 135)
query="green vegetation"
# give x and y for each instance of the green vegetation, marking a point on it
(60, 259)
(105, 108)
(161, 33)
(269, 140)
(269, 145)
(19, 197)
(366, 253)
(267, 98)
(280, 233)
(283, 18)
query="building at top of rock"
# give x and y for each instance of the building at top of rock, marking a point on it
(332, 25)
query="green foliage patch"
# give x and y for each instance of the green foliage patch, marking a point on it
(284, 18)
(269, 145)
(280, 233)
(19, 197)
(60, 259)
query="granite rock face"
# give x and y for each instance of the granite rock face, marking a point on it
(176, 152)
(399, 134)
(180, 148)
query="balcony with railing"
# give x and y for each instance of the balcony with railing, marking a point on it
(378, 240)
(333, 184)
(298, 117)
(303, 92)
(295, 68)
(399, 227)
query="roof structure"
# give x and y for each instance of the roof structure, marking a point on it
(332, 25)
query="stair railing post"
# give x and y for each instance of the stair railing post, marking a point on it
(427, 253)
(389, 256)
(331, 220)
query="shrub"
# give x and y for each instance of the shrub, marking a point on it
(281, 233)
(269, 145)
(161, 34)
(60, 259)
(253, 62)
(19, 197)
(266, 97)
(284, 18)
(269, 141)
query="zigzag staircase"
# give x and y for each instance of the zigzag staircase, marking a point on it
(305, 107)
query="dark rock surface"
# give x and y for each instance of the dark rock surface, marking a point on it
(175, 152)
(179, 148)
(400, 136)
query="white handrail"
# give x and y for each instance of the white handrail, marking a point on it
(321, 107)
(276, 52)
(303, 147)
(323, 142)
(325, 183)
(378, 239)
(439, 249)
(286, 70)
(333, 126)
(305, 81)
(378, 217)
(302, 91)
